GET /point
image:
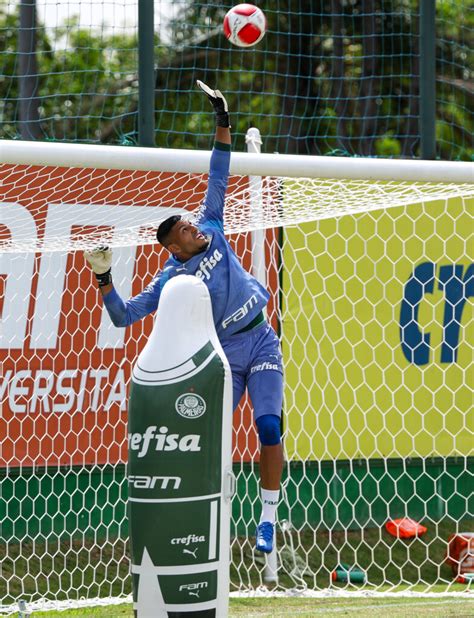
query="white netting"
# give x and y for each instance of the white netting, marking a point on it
(374, 310)
(76, 204)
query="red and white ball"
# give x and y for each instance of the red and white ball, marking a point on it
(245, 25)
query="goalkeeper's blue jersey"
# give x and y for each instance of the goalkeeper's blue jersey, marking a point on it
(237, 297)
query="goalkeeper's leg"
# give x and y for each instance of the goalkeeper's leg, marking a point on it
(265, 386)
(256, 362)
(266, 391)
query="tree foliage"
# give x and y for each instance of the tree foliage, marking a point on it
(330, 76)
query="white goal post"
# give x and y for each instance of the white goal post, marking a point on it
(323, 187)
(243, 164)
(369, 265)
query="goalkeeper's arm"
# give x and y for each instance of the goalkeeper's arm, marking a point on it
(212, 210)
(122, 313)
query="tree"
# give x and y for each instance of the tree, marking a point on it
(329, 76)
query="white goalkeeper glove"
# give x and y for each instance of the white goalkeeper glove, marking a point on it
(100, 260)
(219, 104)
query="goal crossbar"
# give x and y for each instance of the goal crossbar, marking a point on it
(16, 152)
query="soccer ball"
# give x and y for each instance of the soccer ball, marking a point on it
(245, 25)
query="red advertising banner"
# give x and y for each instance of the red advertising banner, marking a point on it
(64, 368)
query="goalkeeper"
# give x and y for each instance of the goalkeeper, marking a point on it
(250, 344)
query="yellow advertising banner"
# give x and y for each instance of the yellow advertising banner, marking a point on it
(378, 333)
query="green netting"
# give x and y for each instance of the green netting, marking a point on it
(330, 76)
(455, 78)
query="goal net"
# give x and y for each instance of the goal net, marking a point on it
(369, 268)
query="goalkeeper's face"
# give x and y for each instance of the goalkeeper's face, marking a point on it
(186, 240)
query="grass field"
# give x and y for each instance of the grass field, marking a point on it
(94, 569)
(389, 607)
(103, 571)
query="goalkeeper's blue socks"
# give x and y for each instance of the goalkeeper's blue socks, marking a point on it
(266, 528)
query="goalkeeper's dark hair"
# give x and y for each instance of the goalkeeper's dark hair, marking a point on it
(165, 228)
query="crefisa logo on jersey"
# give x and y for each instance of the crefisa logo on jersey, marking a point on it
(190, 405)
(191, 539)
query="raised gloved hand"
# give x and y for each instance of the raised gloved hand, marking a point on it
(218, 103)
(100, 260)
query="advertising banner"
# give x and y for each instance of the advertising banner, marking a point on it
(64, 368)
(378, 333)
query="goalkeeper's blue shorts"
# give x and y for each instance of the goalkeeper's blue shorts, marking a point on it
(255, 359)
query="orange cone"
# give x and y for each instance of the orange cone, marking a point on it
(405, 528)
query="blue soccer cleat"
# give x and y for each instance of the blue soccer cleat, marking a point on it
(264, 537)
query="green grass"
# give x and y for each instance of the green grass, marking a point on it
(386, 560)
(388, 607)
(65, 568)
(77, 569)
